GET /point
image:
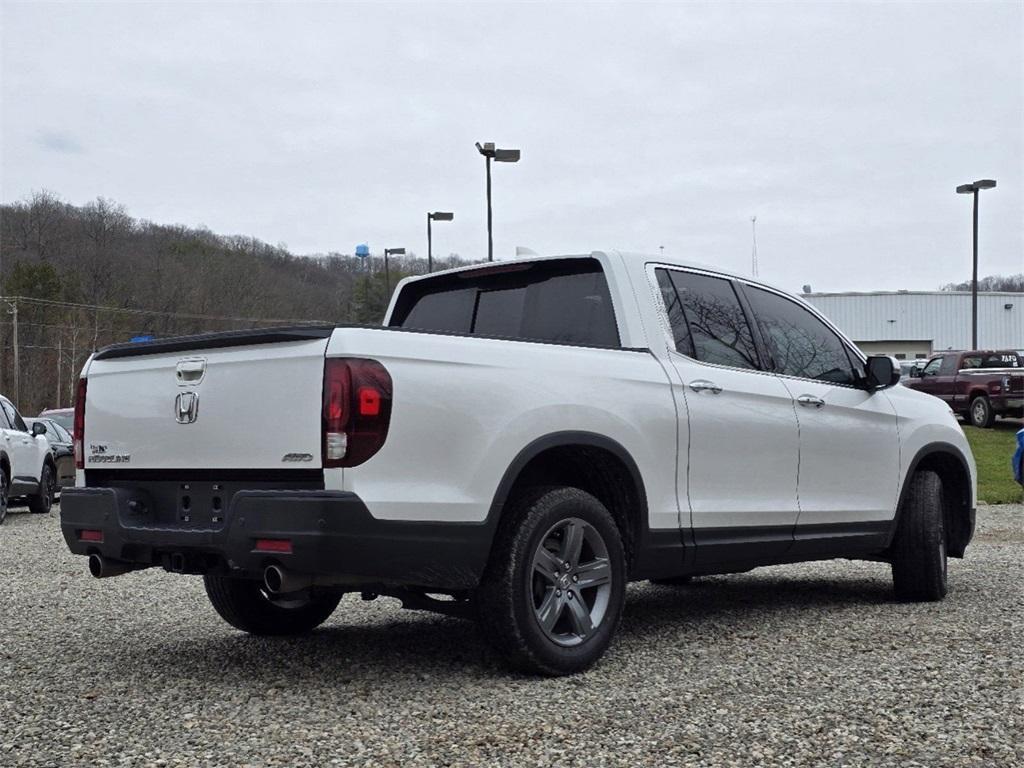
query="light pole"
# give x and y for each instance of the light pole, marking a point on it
(490, 152)
(973, 189)
(387, 273)
(435, 216)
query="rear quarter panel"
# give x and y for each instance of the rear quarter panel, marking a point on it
(463, 409)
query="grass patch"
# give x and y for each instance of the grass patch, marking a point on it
(993, 449)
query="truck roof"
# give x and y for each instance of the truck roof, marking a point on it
(627, 255)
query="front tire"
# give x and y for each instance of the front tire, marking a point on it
(246, 605)
(42, 502)
(552, 595)
(919, 564)
(981, 413)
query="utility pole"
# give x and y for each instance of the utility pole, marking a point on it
(60, 343)
(753, 257)
(17, 362)
(73, 382)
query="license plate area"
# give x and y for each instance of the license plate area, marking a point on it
(201, 505)
(184, 505)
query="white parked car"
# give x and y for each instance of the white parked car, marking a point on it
(26, 462)
(522, 437)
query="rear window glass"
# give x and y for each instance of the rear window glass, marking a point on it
(560, 301)
(992, 360)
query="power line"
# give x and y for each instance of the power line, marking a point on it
(183, 315)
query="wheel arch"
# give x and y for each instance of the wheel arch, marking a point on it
(953, 469)
(5, 465)
(592, 462)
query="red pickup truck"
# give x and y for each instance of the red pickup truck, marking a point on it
(979, 385)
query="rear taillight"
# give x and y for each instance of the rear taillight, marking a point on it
(356, 412)
(79, 426)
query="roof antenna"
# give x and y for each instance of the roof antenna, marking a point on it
(753, 256)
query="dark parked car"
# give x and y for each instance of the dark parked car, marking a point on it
(61, 444)
(63, 416)
(978, 385)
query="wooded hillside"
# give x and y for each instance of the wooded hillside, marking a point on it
(84, 277)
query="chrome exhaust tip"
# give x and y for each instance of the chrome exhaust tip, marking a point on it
(278, 581)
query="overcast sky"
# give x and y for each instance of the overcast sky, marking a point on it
(843, 127)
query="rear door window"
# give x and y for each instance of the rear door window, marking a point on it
(566, 302)
(948, 366)
(708, 322)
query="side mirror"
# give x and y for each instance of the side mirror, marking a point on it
(882, 371)
(915, 372)
(38, 428)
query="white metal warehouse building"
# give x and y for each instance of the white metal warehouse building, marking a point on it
(913, 324)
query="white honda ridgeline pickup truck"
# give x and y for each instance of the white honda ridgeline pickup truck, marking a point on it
(516, 443)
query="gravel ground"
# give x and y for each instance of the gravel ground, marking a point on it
(797, 665)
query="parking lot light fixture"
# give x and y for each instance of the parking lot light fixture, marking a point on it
(387, 273)
(972, 189)
(435, 216)
(490, 152)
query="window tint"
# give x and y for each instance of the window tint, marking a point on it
(676, 318)
(5, 423)
(559, 301)
(14, 417)
(450, 311)
(948, 365)
(932, 368)
(717, 328)
(800, 344)
(62, 435)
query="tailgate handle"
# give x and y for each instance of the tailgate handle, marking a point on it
(190, 371)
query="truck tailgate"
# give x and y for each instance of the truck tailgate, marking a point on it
(223, 402)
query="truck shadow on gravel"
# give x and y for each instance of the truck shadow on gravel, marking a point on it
(385, 642)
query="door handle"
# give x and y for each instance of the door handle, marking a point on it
(703, 385)
(190, 371)
(810, 400)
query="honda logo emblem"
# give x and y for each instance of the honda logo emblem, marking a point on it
(186, 407)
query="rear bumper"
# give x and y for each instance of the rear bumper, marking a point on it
(333, 538)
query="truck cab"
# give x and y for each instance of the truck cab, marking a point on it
(978, 385)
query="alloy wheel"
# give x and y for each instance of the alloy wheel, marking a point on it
(571, 582)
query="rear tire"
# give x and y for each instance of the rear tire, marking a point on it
(42, 502)
(4, 495)
(919, 547)
(245, 605)
(552, 594)
(980, 413)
